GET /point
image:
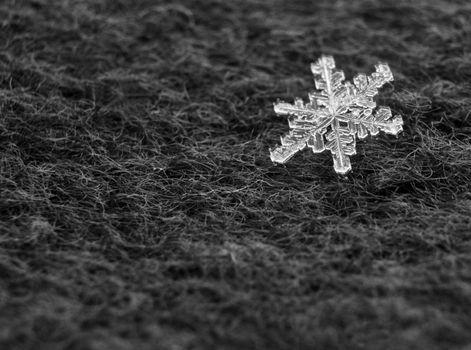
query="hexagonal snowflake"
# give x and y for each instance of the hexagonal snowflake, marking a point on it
(336, 114)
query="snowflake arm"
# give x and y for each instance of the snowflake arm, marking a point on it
(363, 119)
(341, 144)
(306, 130)
(362, 122)
(365, 88)
(328, 81)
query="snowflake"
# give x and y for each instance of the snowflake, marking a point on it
(337, 112)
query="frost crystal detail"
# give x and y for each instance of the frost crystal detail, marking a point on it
(336, 114)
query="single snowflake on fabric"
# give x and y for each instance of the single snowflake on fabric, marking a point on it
(336, 114)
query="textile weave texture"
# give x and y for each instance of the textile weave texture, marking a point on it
(139, 208)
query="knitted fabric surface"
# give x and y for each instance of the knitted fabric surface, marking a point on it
(139, 207)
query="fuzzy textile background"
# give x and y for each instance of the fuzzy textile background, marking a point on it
(139, 208)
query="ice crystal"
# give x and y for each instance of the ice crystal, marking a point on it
(336, 114)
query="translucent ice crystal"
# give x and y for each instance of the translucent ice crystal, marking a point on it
(336, 114)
